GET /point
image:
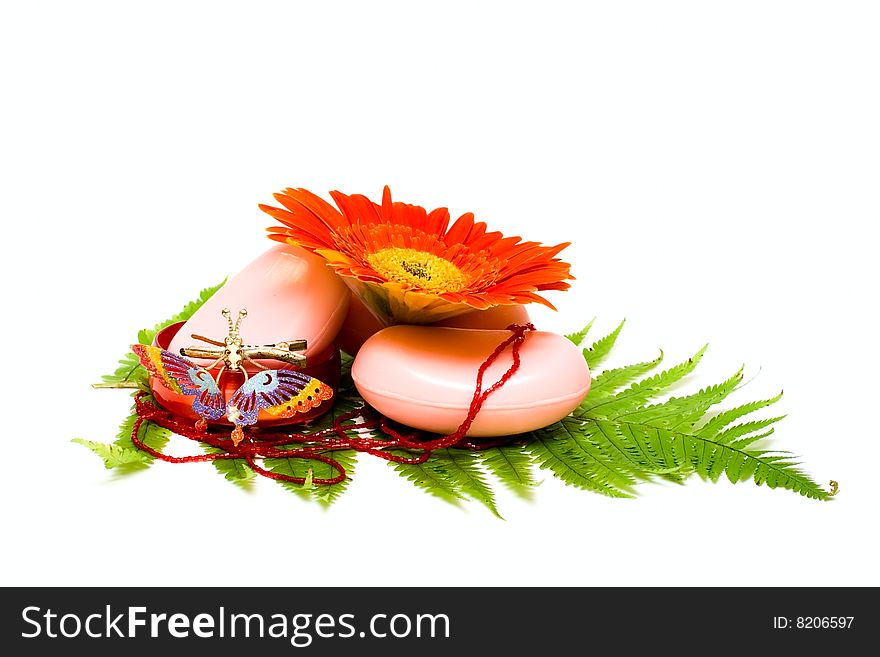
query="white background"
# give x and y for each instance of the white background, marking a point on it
(714, 164)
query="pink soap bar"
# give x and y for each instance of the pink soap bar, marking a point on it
(289, 294)
(424, 377)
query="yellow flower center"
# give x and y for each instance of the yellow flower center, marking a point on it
(418, 269)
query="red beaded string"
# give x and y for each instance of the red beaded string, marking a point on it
(280, 445)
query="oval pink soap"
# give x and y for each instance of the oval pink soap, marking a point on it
(289, 294)
(424, 377)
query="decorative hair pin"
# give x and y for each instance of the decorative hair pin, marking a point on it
(281, 392)
(232, 352)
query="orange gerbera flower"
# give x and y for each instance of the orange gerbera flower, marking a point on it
(410, 265)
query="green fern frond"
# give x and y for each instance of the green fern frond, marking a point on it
(597, 352)
(640, 392)
(660, 448)
(717, 423)
(608, 381)
(113, 455)
(512, 466)
(728, 436)
(753, 438)
(577, 463)
(642, 460)
(618, 437)
(681, 412)
(579, 336)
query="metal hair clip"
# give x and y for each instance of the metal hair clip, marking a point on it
(231, 352)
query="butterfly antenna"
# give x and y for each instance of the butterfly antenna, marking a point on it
(241, 315)
(228, 315)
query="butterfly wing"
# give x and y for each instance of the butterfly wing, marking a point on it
(185, 377)
(279, 392)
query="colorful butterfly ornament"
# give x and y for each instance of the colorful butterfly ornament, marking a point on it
(281, 392)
